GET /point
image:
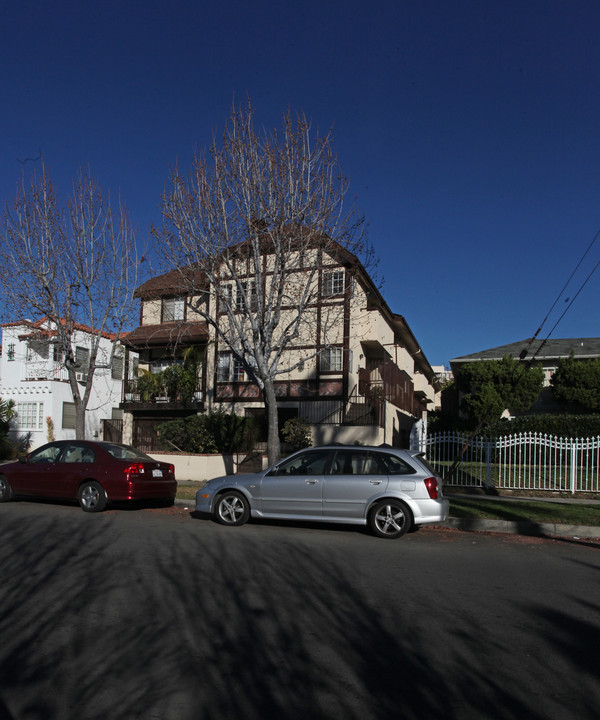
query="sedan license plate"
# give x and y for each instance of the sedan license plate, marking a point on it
(157, 473)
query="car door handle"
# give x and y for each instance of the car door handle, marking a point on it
(375, 482)
(311, 482)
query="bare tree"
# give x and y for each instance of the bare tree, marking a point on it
(250, 230)
(74, 265)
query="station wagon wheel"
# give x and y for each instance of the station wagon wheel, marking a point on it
(390, 519)
(5, 489)
(232, 508)
(92, 496)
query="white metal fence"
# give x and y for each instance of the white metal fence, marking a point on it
(526, 461)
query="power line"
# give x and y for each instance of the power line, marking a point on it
(523, 354)
(525, 351)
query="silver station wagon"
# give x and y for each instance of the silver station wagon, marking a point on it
(385, 488)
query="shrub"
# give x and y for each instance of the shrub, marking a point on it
(179, 383)
(188, 434)
(232, 433)
(7, 413)
(549, 424)
(297, 433)
(149, 385)
(218, 432)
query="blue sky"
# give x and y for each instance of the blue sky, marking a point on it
(469, 131)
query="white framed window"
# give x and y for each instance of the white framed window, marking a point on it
(229, 368)
(224, 367)
(173, 309)
(11, 351)
(30, 415)
(225, 296)
(332, 359)
(246, 294)
(333, 283)
(239, 374)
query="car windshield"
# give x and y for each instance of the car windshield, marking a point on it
(124, 452)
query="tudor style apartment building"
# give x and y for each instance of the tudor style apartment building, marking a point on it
(357, 372)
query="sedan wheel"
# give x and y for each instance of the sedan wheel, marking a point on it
(232, 509)
(92, 496)
(390, 519)
(5, 489)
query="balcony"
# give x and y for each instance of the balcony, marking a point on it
(44, 371)
(383, 380)
(150, 392)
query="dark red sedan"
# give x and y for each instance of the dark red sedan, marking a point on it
(93, 473)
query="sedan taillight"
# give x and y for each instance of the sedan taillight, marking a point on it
(135, 469)
(432, 487)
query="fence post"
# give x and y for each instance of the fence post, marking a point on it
(488, 468)
(573, 467)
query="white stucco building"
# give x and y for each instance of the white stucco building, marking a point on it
(34, 377)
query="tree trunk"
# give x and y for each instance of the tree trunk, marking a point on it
(273, 444)
(79, 421)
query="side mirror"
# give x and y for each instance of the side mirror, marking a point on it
(23, 459)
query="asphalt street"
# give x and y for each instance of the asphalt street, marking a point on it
(151, 613)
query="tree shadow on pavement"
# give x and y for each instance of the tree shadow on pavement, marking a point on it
(125, 616)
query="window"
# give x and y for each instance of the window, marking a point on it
(312, 462)
(11, 351)
(239, 374)
(229, 368)
(223, 367)
(116, 369)
(357, 462)
(30, 415)
(58, 354)
(173, 309)
(78, 454)
(68, 416)
(396, 466)
(227, 294)
(332, 359)
(333, 283)
(82, 358)
(247, 295)
(48, 453)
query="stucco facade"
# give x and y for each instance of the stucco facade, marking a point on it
(33, 376)
(354, 370)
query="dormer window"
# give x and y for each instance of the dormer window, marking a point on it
(173, 309)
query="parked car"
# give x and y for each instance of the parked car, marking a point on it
(385, 488)
(93, 473)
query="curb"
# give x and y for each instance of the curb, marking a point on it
(530, 529)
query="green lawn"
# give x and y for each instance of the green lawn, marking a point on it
(188, 492)
(525, 510)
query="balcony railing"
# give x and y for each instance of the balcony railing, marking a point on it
(392, 384)
(134, 393)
